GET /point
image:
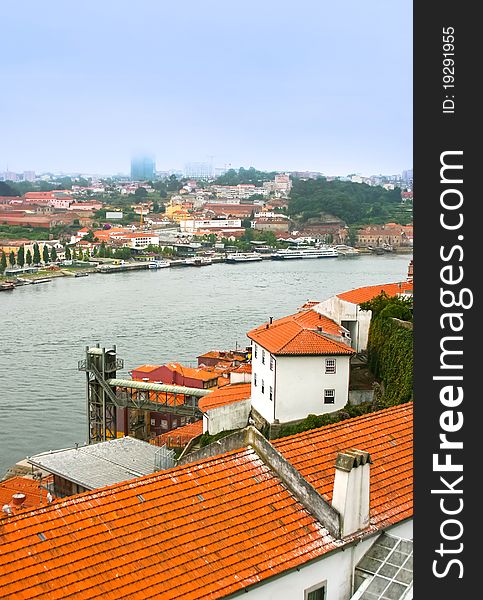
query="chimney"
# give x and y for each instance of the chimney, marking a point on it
(271, 320)
(351, 489)
(18, 499)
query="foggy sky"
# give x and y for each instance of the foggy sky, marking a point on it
(307, 85)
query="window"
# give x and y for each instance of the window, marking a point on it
(255, 350)
(255, 379)
(329, 365)
(263, 357)
(271, 393)
(153, 421)
(271, 363)
(329, 396)
(263, 387)
(315, 593)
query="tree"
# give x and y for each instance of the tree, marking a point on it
(68, 254)
(45, 254)
(21, 256)
(36, 259)
(11, 258)
(141, 192)
(28, 258)
(89, 236)
(3, 262)
(53, 255)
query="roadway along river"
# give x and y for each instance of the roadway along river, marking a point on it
(153, 317)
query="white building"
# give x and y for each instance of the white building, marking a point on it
(193, 225)
(300, 366)
(345, 309)
(137, 240)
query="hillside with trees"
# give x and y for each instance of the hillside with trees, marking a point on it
(354, 203)
(245, 176)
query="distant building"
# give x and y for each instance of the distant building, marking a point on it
(29, 175)
(143, 168)
(199, 170)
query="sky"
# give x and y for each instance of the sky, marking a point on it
(308, 85)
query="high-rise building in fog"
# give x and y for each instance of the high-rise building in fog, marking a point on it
(143, 168)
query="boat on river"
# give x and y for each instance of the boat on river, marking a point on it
(7, 286)
(198, 261)
(307, 252)
(158, 264)
(238, 257)
(345, 251)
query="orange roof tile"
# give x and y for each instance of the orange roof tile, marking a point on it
(243, 368)
(301, 333)
(147, 368)
(202, 530)
(192, 373)
(364, 294)
(386, 434)
(34, 495)
(228, 394)
(178, 438)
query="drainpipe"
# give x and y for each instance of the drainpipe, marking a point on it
(274, 385)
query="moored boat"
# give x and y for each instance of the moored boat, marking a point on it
(158, 264)
(237, 257)
(295, 253)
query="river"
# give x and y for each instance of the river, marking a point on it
(153, 316)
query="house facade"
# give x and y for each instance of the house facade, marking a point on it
(300, 366)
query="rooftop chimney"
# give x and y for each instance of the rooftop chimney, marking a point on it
(351, 489)
(18, 499)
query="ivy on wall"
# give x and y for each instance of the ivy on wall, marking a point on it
(390, 347)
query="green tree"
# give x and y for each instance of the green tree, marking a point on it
(53, 255)
(45, 254)
(11, 258)
(68, 253)
(89, 236)
(36, 258)
(28, 258)
(3, 262)
(141, 192)
(21, 256)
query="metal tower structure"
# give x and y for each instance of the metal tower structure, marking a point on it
(100, 365)
(106, 393)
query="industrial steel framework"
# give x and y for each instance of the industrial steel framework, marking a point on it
(105, 393)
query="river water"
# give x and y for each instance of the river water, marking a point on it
(153, 316)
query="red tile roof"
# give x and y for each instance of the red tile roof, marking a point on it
(200, 374)
(34, 496)
(301, 333)
(178, 438)
(228, 394)
(387, 435)
(364, 294)
(202, 530)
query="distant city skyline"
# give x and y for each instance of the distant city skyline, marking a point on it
(317, 86)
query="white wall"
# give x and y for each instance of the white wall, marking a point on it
(225, 418)
(298, 384)
(261, 401)
(340, 310)
(336, 568)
